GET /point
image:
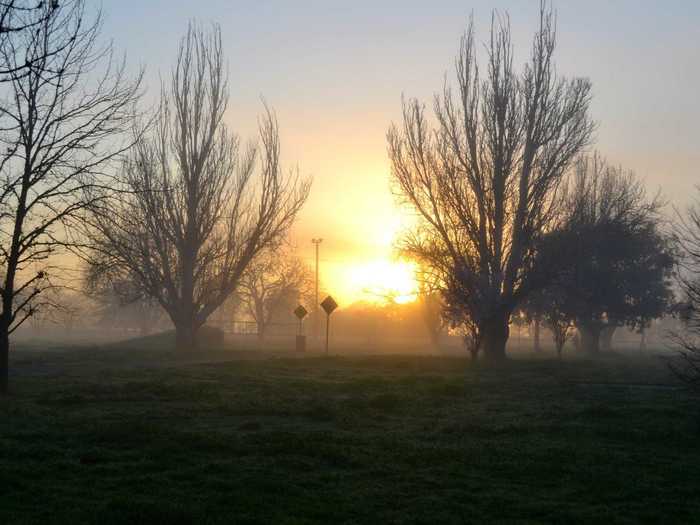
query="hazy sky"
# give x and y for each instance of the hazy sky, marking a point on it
(335, 73)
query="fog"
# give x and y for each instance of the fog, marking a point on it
(360, 329)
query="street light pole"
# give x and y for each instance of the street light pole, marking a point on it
(316, 242)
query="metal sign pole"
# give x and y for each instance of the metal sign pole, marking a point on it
(300, 312)
(328, 305)
(317, 326)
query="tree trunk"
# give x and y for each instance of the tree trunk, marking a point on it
(185, 337)
(643, 340)
(536, 322)
(590, 337)
(144, 325)
(606, 336)
(474, 353)
(435, 339)
(4, 361)
(185, 331)
(260, 319)
(495, 336)
(261, 332)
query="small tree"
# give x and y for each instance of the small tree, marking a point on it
(549, 303)
(483, 180)
(471, 338)
(120, 299)
(64, 108)
(432, 305)
(561, 332)
(273, 285)
(196, 208)
(556, 317)
(432, 312)
(533, 310)
(457, 314)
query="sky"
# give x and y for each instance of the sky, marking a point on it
(335, 73)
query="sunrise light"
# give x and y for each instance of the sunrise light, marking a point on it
(384, 281)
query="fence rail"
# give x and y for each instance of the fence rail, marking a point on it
(251, 328)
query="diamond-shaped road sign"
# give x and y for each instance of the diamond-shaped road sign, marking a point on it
(329, 305)
(300, 312)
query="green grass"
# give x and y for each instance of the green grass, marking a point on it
(105, 437)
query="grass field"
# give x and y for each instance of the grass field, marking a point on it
(122, 436)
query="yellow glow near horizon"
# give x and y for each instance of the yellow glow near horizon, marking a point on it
(359, 223)
(358, 257)
(382, 280)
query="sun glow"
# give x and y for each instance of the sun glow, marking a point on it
(384, 281)
(360, 232)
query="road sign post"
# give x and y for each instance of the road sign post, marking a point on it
(328, 305)
(300, 313)
(316, 326)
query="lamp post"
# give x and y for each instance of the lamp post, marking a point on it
(316, 242)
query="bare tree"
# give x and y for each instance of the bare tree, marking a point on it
(120, 299)
(61, 123)
(531, 313)
(273, 285)
(70, 309)
(432, 310)
(432, 305)
(484, 180)
(552, 305)
(561, 328)
(687, 240)
(471, 337)
(196, 207)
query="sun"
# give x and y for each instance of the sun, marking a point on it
(359, 263)
(384, 281)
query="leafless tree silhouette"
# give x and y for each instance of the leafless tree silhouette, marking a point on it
(273, 285)
(687, 237)
(432, 310)
(432, 305)
(196, 206)
(484, 180)
(562, 329)
(118, 295)
(549, 304)
(62, 120)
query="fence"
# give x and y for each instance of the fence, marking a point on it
(251, 328)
